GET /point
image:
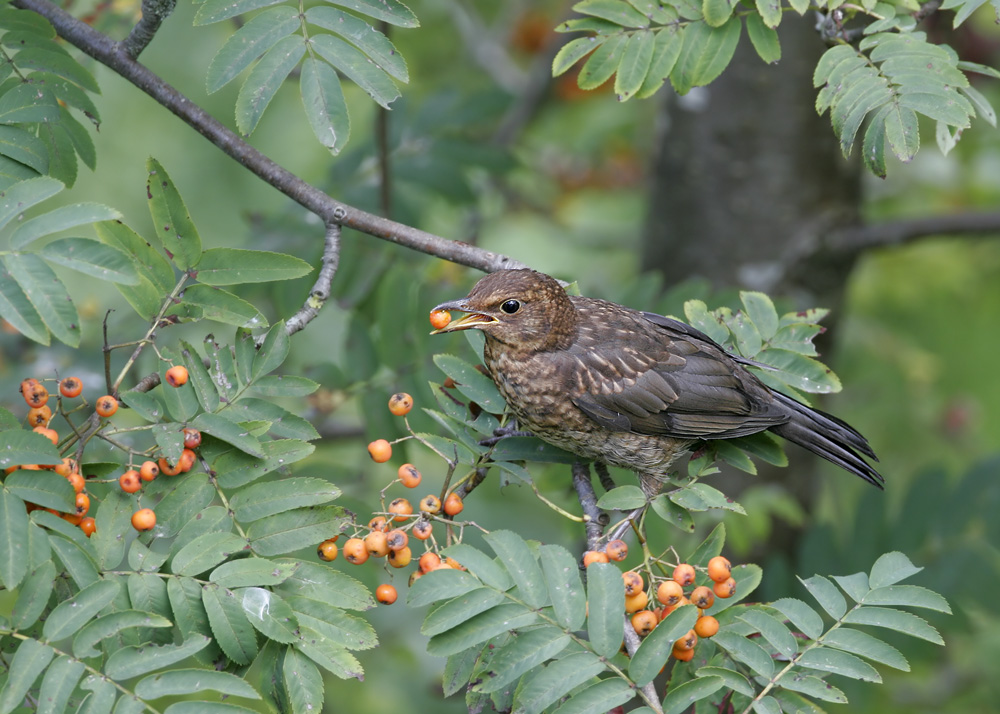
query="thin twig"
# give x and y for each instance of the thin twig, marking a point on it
(892, 233)
(592, 515)
(154, 12)
(321, 288)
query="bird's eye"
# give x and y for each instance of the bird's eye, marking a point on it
(511, 306)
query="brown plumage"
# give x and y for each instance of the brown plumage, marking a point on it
(632, 389)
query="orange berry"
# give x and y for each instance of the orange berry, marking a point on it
(144, 519)
(192, 438)
(355, 551)
(727, 588)
(409, 476)
(396, 539)
(452, 563)
(82, 504)
(400, 558)
(594, 556)
(70, 387)
(149, 470)
(617, 550)
(39, 416)
(375, 544)
(186, 461)
(401, 508)
(327, 550)
(177, 376)
(166, 468)
(414, 577)
(400, 403)
(70, 518)
(380, 450)
(377, 523)
(683, 655)
(422, 530)
(386, 594)
(702, 597)
(88, 525)
(669, 592)
(633, 583)
(34, 393)
(67, 467)
(129, 481)
(684, 575)
(50, 434)
(430, 504)
(634, 603)
(687, 642)
(643, 622)
(77, 482)
(429, 561)
(106, 405)
(719, 569)
(706, 626)
(453, 504)
(440, 318)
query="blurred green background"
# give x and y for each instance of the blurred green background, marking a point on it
(915, 345)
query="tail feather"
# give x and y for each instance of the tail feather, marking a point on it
(827, 436)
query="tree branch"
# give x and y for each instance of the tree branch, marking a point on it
(593, 515)
(321, 288)
(891, 233)
(154, 12)
(115, 57)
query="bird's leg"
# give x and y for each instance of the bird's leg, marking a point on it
(602, 473)
(594, 518)
(504, 432)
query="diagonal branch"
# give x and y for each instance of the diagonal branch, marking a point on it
(891, 233)
(115, 57)
(154, 12)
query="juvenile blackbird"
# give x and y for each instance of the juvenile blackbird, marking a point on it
(628, 388)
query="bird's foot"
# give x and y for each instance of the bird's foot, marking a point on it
(503, 432)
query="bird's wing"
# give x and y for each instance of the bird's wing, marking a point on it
(656, 378)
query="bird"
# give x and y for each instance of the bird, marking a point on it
(628, 388)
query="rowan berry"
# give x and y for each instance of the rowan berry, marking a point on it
(149, 470)
(400, 403)
(430, 504)
(706, 626)
(400, 558)
(429, 561)
(70, 387)
(177, 376)
(71, 518)
(327, 550)
(634, 603)
(401, 508)
(77, 482)
(643, 622)
(409, 476)
(594, 556)
(39, 416)
(355, 551)
(396, 539)
(669, 592)
(192, 438)
(452, 563)
(377, 524)
(687, 642)
(129, 481)
(82, 504)
(414, 577)
(684, 574)
(633, 583)
(683, 655)
(422, 530)
(186, 461)
(50, 434)
(106, 406)
(67, 467)
(166, 468)
(617, 550)
(727, 588)
(375, 544)
(719, 569)
(453, 504)
(386, 594)
(144, 519)
(34, 392)
(88, 525)
(440, 319)
(380, 450)
(702, 597)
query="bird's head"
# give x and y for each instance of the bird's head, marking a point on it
(525, 309)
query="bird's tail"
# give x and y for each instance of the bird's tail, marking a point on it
(827, 436)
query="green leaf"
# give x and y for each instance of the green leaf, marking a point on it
(33, 596)
(111, 625)
(30, 660)
(335, 625)
(863, 644)
(205, 552)
(717, 12)
(605, 605)
(801, 616)
(72, 614)
(149, 593)
(29, 103)
(257, 36)
(902, 132)
(391, 11)
(222, 306)
(269, 614)
(202, 708)
(217, 10)
(233, 266)
(92, 258)
(772, 630)
(765, 41)
(145, 405)
(362, 35)
(272, 351)
(706, 53)
(58, 684)
(267, 499)
(672, 513)
(813, 687)
(637, 57)
(838, 662)
(147, 259)
(653, 651)
(543, 687)
(47, 295)
(251, 572)
(599, 697)
(77, 561)
(907, 595)
(669, 41)
(101, 697)
(46, 488)
(481, 628)
(171, 219)
(826, 595)
(602, 63)
(169, 436)
(199, 378)
(770, 12)
(184, 595)
(521, 564)
(443, 584)
(192, 494)
(622, 498)
(854, 585)
(746, 651)
(332, 658)
(17, 199)
(904, 622)
(229, 432)
(283, 385)
(230, 626)
(681, 698)
(236, 469)
(16, 308)
(24, 147)
(303, 682)
(13, 540)
(522, 653)
(562, 579)
(616, 11)
(60, 219)
(131, 662)
(572, 52)
(457, 610)
(296, 529)
(480, 565)
(471, 383)
(265, 79)
(890, 569)
(732, 679)
(353, 63)
(58, 63)
(181, 682)
(801, 372)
